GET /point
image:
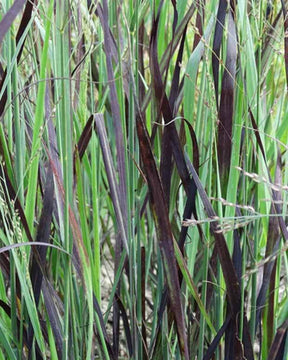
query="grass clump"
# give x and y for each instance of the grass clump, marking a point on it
(143, 180)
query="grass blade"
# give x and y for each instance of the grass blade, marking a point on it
(9, 17)
(43, 234)
(107, 157)
(232, 283)
(165, 236)
(277, 350)
(30, 199)
(22, 29)
(218, 34)
(224, 145)
(285, 38)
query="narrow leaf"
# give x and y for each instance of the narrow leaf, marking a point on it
(284, 11)
(278, 346)
(43, 233)
(217, 41)
(224, 143)
(164, 233)
(108, 162)
(230, 276)
(9, 17)
(214, 344)
(23, 25)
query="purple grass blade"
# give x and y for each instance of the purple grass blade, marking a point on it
(277, 348)
(199, 23)
(230, 276)
(224, 143)
(214, 344)
(43, 233)
(170, 142)
(164, 233)
(85, 137)
(126, 326)
(174, 92)
(217, 41)
(9, 17)
(23, 24)
(171, 48)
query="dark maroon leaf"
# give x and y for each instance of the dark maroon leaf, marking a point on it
(26, 17)
(1, 71)
(233, 345)
(174, 24)
(23, 24)
(9, 17)
(164, 233)
(190, 207)
(277, 348)
(213, 346)
(199, 23)
(81, 45)
(224, 142)
(171, 48)
(175, 81)
(170, 142)
(85, 137)
(195, 146)
(256, 133)
(217, 41)
(43, 233)
(126, 326)
(5, 266)
(82, 144)
(230, 276)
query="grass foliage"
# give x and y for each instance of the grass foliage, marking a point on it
(143, 179)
